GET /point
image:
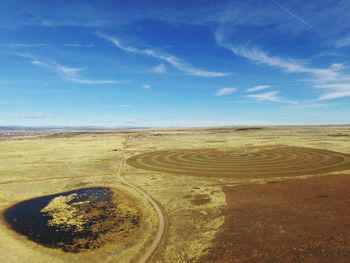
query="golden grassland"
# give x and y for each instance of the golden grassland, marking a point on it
(193, 227)
(195, 205)
(33, 167)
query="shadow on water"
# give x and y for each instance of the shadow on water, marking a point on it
(28, 219)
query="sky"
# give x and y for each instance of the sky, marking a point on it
(174, 63)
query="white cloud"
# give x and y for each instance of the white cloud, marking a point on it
(292, 14)
(312, 105)
(272, 96)
(34, 45)
(32, 116)
(333, 90)
(76, 45)
(24, 45)
(25, 55)
(258, 88)
(146, 86)
(225, 91)
(70, 74)
(333, 82)
(343, 42)
(160, 69)
(267, 96)
(334, 95)
(289, 65)
(175, 62)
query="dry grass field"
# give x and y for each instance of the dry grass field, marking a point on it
(274, 194)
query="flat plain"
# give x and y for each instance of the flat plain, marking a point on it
(255, 194)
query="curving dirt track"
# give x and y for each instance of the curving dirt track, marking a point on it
(250, 162)
(147, 254)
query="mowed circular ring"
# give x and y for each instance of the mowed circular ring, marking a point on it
(253, 162)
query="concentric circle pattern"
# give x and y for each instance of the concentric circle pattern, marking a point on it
(252, 162)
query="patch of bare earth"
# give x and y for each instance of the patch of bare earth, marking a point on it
(290, 221)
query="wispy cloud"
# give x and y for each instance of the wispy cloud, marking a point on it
(25, 55)
(146, 86)
(32, 116)
(69, 73)
(272, 96)
(160, 69)
(24, 45)
(76, 45)
(292, 14)
(331, 81)
(330, 18)
(334, 95)
(225, 91)
(343, 42)
(38, 45)
(174, 61)
(312, 105)
(287, 64)
(258, 88)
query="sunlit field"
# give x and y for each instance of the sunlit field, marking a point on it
(175, 131)
(217, 195)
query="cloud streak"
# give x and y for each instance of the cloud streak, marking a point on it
(76, 45)
(224, 91)
(343, 42)
(272, 96)
(69, 73)
(25, 45)
(174, 61)
(292, 14)
(288, 65)
(334, 95)
(39, 45)
(160, 69)
(34, 116)
(258, 88)
(331, 81)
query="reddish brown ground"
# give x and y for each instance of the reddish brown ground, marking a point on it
(291, 221)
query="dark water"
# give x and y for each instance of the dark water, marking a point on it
(26, 218)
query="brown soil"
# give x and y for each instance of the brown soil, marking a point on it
(290, 221)
(198, 199)
(247, 162)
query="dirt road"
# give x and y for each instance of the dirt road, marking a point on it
(161, 218)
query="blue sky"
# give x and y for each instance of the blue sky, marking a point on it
(174, 63)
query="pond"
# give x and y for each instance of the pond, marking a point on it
(71, 221)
